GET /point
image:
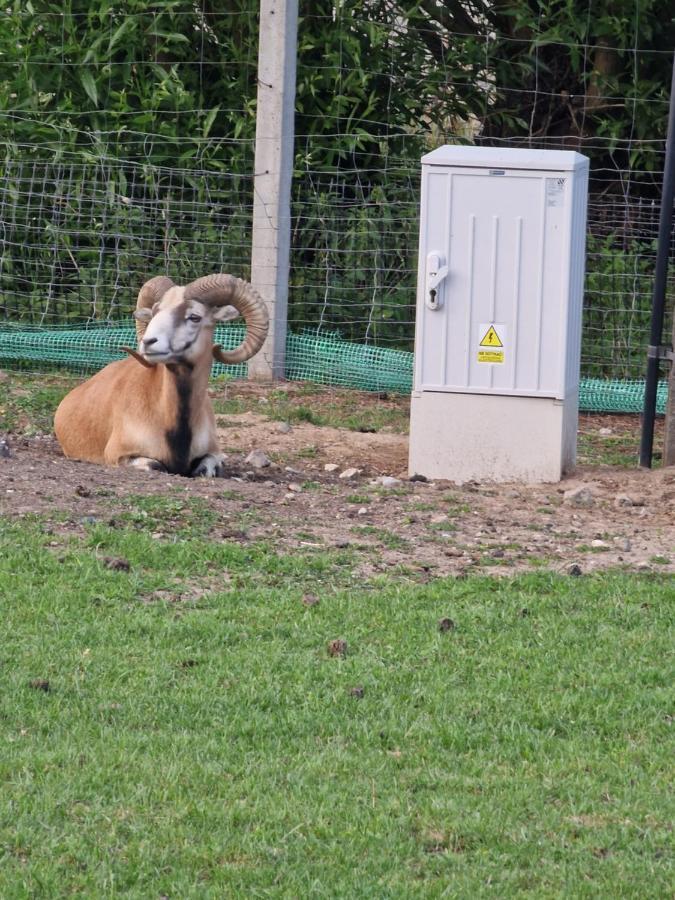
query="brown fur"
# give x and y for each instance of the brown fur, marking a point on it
(127, 411)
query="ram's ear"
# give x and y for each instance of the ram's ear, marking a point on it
(225, 313)
(143, 315)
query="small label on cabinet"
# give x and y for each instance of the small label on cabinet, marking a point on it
(555, 191)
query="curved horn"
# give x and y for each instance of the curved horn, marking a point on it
(226, 290)
(151, 292)
(137, 357)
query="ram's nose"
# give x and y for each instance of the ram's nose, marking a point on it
(151, 347)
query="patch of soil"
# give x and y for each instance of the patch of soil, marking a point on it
(379, 453)
(625, 517)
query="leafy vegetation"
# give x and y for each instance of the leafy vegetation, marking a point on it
(128, 145)
(618, 306)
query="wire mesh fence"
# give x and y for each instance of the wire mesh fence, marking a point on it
(128, 152)
(79, 237)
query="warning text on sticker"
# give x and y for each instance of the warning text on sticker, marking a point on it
(490, 356)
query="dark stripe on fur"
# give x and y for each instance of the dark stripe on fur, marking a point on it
(179, 438)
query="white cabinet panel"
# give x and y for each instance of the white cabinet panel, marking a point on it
(500, 271)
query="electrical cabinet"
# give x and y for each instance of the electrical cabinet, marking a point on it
(499, 305)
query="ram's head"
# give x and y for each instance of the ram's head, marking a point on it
(175, 324)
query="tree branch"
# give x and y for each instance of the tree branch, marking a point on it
(452, 16)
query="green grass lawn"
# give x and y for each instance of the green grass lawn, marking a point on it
(180, 729)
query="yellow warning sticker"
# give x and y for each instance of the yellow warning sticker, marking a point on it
(491, 338)
(491, 348)
(491, 356)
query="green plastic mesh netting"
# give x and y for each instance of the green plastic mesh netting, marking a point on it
(321, 358)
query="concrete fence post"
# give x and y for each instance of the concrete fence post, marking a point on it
(271, 237)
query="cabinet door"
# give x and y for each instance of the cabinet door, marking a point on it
(496, 322)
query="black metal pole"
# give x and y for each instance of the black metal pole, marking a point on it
(655, 350)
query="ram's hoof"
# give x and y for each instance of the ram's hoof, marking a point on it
(208, 467)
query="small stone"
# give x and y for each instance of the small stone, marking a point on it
(362, 512)
(257, 459)
(387, 481)
(117, 564)
(349, 473)
(574, 570)
(82, 491)
(600, 545)
(498, 554)
(331, 467)
(454, 551)
(295, 487)
(40, 684)
(416, 477)
(310, 600)
(284, 428)
(605, 431)
(580, 496)
(446, 624)
(357, 692)
(626, 545)
(5, 451)
(438, 519)
(627, 500)
(337, 647)
(234, 534)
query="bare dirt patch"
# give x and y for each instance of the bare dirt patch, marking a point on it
(621, 517)
(379, 453)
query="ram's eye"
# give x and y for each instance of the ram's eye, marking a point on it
(193, 317)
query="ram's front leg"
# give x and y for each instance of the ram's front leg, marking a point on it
(210, 466)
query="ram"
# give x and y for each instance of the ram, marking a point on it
(152, 409)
